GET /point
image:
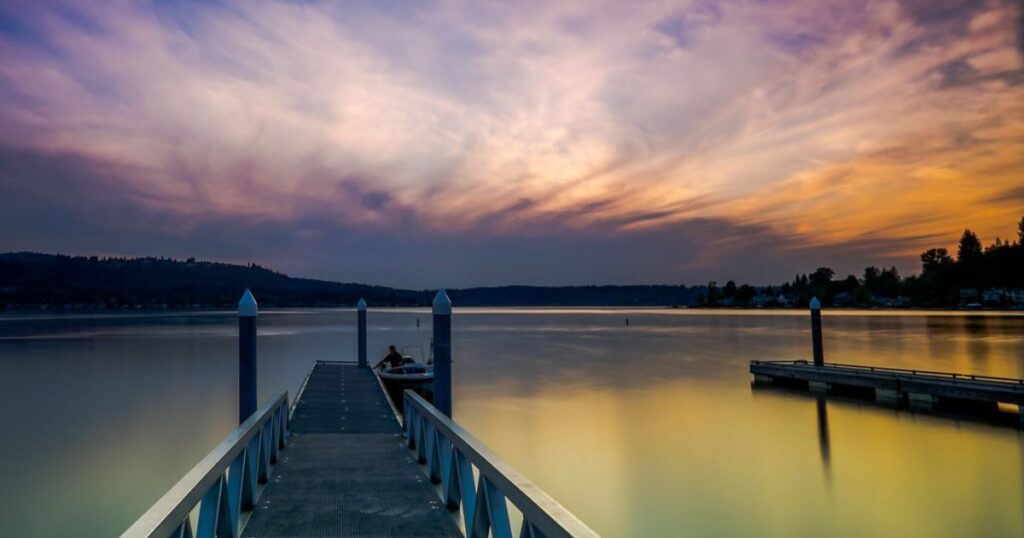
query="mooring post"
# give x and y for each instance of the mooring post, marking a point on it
(361, 322)
(247, 312)
(819, 353)
(443, 353)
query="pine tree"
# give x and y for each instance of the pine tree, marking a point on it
(969, 250)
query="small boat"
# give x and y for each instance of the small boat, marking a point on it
(409, 373)
(412, 375)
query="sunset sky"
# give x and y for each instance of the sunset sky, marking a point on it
(430, 144)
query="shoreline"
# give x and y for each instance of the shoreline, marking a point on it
(231, 309)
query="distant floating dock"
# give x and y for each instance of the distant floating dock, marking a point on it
(920, 389)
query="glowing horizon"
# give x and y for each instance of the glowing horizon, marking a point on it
(466, 143)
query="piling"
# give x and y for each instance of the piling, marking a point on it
(442, 344)
(361, 323)
(819, 353)
(247, 313)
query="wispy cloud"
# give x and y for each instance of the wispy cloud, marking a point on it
(869, 128)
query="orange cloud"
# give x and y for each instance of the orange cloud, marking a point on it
(821, 122)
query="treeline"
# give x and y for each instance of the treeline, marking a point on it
(990, 276)
(655, 295)
(30, 280)
(977, 276)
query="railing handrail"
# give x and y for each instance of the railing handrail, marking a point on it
(906, 371)
(169, 513)
(543, 512)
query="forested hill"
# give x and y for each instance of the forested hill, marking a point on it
(44, 279)
(31, 280)
(655, 295)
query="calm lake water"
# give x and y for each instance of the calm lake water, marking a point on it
(647, 430)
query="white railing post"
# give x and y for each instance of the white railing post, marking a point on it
(223, 485)
(450, 454)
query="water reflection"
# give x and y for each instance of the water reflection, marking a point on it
(823, 442)
(650, 430)
(977, 330)
(701, 456)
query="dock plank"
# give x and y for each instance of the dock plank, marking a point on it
(347, 471)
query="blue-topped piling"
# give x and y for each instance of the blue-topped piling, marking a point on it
(361, 324)
(816, 344)
(247, 314)
(442, 345)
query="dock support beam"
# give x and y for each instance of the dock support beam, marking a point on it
(922, 401)
(443, 353)
(819, 387)
(819, 352)
(888, 396)
(247, 313)
(361, 330)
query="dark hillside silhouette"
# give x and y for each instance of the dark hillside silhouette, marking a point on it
(979, 276)
(34, 279)
(31, 279)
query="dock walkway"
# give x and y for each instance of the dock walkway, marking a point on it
(920, 388)
(337, 463)
(346, 470)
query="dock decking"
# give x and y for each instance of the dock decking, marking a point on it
(892, 385)
(346, 470)
(337, 463)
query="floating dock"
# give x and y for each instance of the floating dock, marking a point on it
(339, 463)
(920, 389)
(346, 470)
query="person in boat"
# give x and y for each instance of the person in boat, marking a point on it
(393, 358)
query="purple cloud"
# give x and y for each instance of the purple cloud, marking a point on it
(551, 143)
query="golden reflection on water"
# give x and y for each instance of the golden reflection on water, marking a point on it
(678, 459)
(650, 430)
(683, 445)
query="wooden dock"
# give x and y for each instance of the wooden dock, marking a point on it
(919, 388)
(339, 463)
(346, 470)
